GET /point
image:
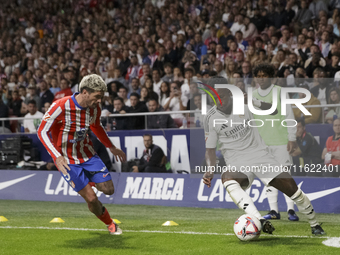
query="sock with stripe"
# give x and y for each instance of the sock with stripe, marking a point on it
(304, 205)
(105, 217)
(241, 198)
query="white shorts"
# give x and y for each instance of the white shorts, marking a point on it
(281, 154)
(261, 164)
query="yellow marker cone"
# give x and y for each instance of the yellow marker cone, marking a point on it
(57, 220)
(170, 223)
(117, 221)
(2, 218)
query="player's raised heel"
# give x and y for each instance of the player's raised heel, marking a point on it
(272, 215)
(267, 227)
(114, 229)
(292, 216)
(317, 230)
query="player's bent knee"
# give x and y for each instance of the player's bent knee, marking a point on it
(109, 191)
(285, 183)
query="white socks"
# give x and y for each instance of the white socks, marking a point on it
(241, 198)
(305, 206)
(272, 194)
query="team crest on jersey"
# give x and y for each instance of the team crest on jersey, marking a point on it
(79, 135)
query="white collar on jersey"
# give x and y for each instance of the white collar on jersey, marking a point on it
(265, 92)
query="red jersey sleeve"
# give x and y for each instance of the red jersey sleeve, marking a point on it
(99, 130)
(48, 121)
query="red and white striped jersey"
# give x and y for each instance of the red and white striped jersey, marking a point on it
(69, 124)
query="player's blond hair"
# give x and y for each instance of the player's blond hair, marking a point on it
(92, 82)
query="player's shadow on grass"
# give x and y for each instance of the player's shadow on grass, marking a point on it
(100, 240)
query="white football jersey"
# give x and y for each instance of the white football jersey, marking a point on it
(236, 138)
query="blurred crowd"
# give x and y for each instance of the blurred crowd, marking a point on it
(152, 53)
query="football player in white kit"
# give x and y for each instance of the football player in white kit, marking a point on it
(247, 157)
(281, 141)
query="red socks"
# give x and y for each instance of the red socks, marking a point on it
(105, 217)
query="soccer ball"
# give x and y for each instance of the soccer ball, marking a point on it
(247, 227)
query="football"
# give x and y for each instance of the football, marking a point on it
(247, 228)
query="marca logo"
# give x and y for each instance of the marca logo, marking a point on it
(154, 188)
(238, 100)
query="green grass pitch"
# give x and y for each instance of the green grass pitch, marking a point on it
(200, 231)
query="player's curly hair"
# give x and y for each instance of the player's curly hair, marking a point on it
(92, 83)
(268, 69)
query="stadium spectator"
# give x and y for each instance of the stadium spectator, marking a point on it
(44, 93)
(303, 17)
(178, 76)
(308, 150)
(134, 70)
(146, 73)
(238, 25)
(65, 90)
(158, 121)
(54, 88)
(242, 44)
(137, 122)
(117, 123)
(32, 118)
(219, 69)
(153, 159)
(316, 112)
(144, 95)
(249, 31)
(149, 86)
(46, 107)
(134, 87)
(316, 6)
(176, 102)
(333, 112)
(33, 96)
(321, 90)
(165, 93)
(247, 74)
(168, 77)
(15, 104)
(157, 82)
(331, 152)
(122, 93)
(4, 113)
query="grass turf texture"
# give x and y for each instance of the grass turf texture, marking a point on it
(289, 238)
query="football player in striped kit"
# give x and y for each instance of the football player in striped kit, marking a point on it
(69, 120)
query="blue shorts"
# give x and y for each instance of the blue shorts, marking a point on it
(93, 170)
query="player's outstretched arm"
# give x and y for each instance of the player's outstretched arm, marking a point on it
(210, 158)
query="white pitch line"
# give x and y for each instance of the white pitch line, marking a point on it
(155, 231)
